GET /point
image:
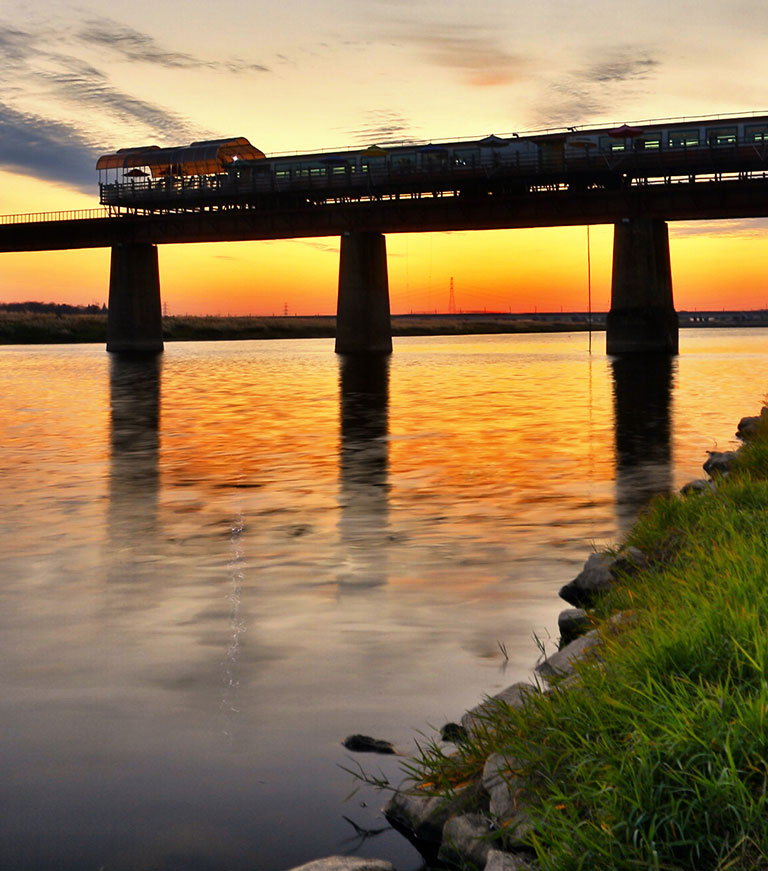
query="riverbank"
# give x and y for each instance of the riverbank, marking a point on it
(646, 745)
(20, 328)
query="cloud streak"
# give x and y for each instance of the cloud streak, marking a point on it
(134, 46)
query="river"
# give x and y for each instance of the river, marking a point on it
(218, 564)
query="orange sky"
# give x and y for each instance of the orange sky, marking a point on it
(89, 78)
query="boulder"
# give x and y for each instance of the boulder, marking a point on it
(366, 744)
(346, 863)
(465, 840)
(747, 426)
(561, 664)
(514, 696)
(498, 860)
(599, 574)
(699, 485)
(423, 816)
(572, 623)
(719, 462)
(502, 785)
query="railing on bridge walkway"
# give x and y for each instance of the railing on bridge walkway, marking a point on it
(69, 215)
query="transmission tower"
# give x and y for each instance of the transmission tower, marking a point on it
(451, 300)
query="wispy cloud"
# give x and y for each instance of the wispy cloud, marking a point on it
(595, 89)
(475, 53)
(136, 46)
(382, 127)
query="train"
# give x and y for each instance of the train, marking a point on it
(234, 173)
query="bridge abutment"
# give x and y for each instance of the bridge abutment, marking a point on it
(135, 322)
(642, 318)
(363, 323)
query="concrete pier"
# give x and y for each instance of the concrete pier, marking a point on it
(642, 318)
(134, 323)
(363, 322)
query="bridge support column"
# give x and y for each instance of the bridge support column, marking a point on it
(642, 318)
(135, 322)
(362, 315)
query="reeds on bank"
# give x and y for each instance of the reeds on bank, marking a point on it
(656, 755)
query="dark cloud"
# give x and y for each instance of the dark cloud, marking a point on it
(46, 149)
(133, 45)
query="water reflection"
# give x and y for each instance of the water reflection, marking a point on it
(364, 468)
(134, 478)
(642, 390)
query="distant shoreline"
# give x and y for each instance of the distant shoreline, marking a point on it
(31, 328)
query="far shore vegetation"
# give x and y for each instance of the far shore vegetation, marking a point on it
(52, 323)
(656, 757)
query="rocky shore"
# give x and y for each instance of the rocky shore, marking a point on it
(485, 824)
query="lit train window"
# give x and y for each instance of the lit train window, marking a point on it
(607, 143)
(683, 138)
(721, 136)
(756, 133)
(649, 143)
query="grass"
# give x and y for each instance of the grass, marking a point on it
(18, 328)
(658, 757)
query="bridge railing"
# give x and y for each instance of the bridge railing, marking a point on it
(69, 215)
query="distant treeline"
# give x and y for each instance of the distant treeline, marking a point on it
(55, 308)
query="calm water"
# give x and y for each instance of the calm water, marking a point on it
(218, 565)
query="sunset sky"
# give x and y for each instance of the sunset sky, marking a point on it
(82, 79)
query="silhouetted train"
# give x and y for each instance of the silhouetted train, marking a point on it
(232, 172)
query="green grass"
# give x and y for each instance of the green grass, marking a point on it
(658, 757)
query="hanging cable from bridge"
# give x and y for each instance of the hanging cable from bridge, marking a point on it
(589, 291)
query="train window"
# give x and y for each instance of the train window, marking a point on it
(283, 173)
(649, 143)
(721, 136)
(756, 133)
(683, 138)
(607, 143)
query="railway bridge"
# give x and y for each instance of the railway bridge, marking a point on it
(641, 180)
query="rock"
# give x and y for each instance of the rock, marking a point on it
(465, 839)
(599, 574)
(423, 816)
(514, 696)
(571, 623)
(502, 785)
(366, 744)
(346, 863)
(747, 426)
(594, 578)
(501, 861)
(719, 462)
(629, 560)
(454, 733)
(699, 485)
(561, 664)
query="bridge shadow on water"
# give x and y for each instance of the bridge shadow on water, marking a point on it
(642, 399)
(364, 468)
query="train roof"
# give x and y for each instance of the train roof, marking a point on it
(199, 158)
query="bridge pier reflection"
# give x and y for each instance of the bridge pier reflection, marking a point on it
(134, 477)
(134, 322)
(363, 322)
(364, 468)
(642, 399)
(642, 318)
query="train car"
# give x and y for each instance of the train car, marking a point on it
(234, 172)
